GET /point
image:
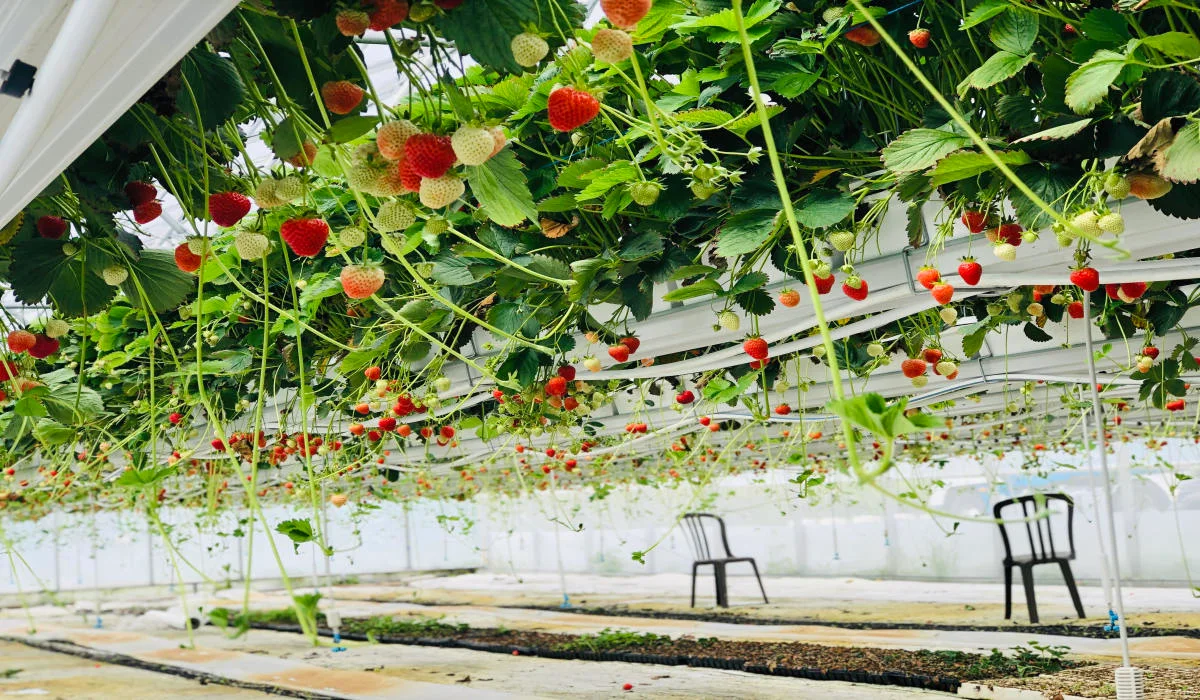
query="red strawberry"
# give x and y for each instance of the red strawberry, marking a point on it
(789, 298)
(756, 347)
(43, 346)
(685, 397)
(373, 372)
(919, 38)
(446, 432)
(1149, 351)
(1112, 290)
(928, 276)
(783, 409)
(913, 367)
(1086, 278)
(361, 281)
(975, 221)
(556, 386)
(931, 355)
(51, 227)
(1075, 309)
(427, 432)
(186, 260)
(568, 108)
(20, 340)
(306, 237)
(174, 418)
(1009, 233)
(625, 13)
(387, 424)
(387, 14)
(632, 343)
(567, 372)
(942, 293)
(824, 284)
(855, 288)
(9, 369)
(970, 271)
(863, 36)
(305, 156)
(147, 212)
(759, 364)
(341, 96)
(352, 22)
(1176, 405)
(228, 208)
(428, 155)
(140, 192)
(619, 352)
(1133, 290)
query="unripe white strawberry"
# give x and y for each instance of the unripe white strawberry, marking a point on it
(289, 189)
(57, 328)
(875, 350)
(198, 245)
(842, 240)
(1005, 251)
(946, 368)
(391, 137)
(729, 321)
(529, 49)
(436, 226)
(1144, 364)
(818, 351)
(395, 215)
(920, 380)
(251, 245)
(352, 237)
(1088, 222)
(1112, 223)
(264, 194)
(832, 14)
(1035, 309)
(472, 145)
(592, 364)
(441, 191)
(1117, 186)
(949, 315)
(612, 45)
(114, 275)
(442, 384)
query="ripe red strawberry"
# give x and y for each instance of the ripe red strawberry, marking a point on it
(8, 369)
(387, 424)
(789, 298)
(685, 397)
(428, 155)
(1149, 351)
(1132, 290)
(619, 352)
(855, 288)
(567, 372)
(373, 372)
(931, 355)
(759, 364)
(361, 281)
(228, 208)
(186, 260)
(568, 108)
(970, 271)
(1176, 405)
(942, 293)
(913, 367)
(43, 346)
(756, 347)
(919, 38)
(1086, 278)
(51, 227)
(306, 237)
(783, 409)
(556, 386)
(1112, 290)
(928, 276)
(632, 343)
(824, 284)
(352, 22)
(140, 192)
(1009, 233)
(975, 221)
(387, 14)
(341, 96)
(446, 432)
(625, 13)
(20, 340)
(147, 212)
(174, 418)
(426, 432)
(863, 36)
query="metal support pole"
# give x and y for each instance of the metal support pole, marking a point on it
(1102, 453)
(1105, 574)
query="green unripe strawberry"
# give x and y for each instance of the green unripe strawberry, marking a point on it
(645, 192)
(1088, 222)
(842, 240)
(729, 321)
(703, 190)
(1112, 223)
(1117, 186)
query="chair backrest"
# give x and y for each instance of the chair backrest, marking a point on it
(695, 526)
(1037, 518)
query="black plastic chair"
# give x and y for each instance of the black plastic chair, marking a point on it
(1036, 515)
(698, 538)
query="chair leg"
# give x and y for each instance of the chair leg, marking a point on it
(760, 586)
(1070, 579)
(722, 591)
(1030, 601)
(1007, 592)
(694, 569)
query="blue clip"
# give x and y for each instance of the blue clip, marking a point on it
(1114, 624)
(99, 623)
(337, 640)
(566, 602)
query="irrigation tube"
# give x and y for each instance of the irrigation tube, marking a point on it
(1102, 453)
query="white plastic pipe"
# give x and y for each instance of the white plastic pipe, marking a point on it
(74, 42)
(1105, 574)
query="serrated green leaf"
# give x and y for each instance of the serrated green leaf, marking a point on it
(347, 129)
(999, 67)
(452, 270)
(749, 281)
(1089, 84)
(919, 149)
(1015, 31)
(704, 115)
(755, 302)
(959, 166)
(558, 204)
(983, 12)
(601, 182)
(824, 207)
(213, 86)
(742, 125)
(1062, 131)
(1181, 160)
(1105, 26)
(699, 288)
(1176, 44)
(502, 190)
(745, 232)
(641, 244)
(574, 176)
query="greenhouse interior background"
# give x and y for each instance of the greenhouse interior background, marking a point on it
(591, 348)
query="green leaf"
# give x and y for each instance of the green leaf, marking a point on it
(521, 366)
(745, 232)
(297, 530)
(748, 282)
(72, 404)
(501, 188)
(285, 141)
(755, 302)
(484, 29)
(1167, 93)
(45, 271)
(999, 67)
(452, 270)
(1089, 84)
(704, 115)
(138, 478)
(347, 129)
(742, 125)
(959, 166)
(1015, 31)
(1181, 160)
(1056, 133)
(558, 204)
(601, 182)
(50, 433)
(973, 337)
(1176, 44)
(29, 406)
(984, 11)
(574, 176)
(166, 286)
(214, 84)
(697, 289)
(640, 245)
(509, 317)
(687, 271)
(1105, 26)
(548, 266)
(1036, 334)
(824, 207)
(919, 149)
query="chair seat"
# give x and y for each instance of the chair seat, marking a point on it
(1029, 560)
(726, 560)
